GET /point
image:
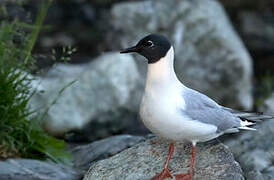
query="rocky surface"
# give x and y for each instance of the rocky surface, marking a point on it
(12, 10)
(268, 105)
(258, 30)
(254, 150)
(210, 56)
(254, 22)
(247, 4)
(26, 169)
(101, 95)
(86, 155)
(144, 160)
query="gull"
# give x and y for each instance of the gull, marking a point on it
(176, 112)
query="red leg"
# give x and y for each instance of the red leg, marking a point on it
(189, 175)
(165, 172)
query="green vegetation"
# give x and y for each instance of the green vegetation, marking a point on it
(20, 131)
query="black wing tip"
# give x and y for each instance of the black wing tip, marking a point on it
(251, 116)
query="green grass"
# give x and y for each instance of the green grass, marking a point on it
(20, 131)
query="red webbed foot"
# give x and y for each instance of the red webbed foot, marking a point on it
(185, 176)
(189, 175)
(163, 175)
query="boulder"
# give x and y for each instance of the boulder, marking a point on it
(254, 149)
(27, 169)
(258, 31)
(247, 4)
(210, 57)
(102, 93)
(86, 155)
(144, 160)
(268, 104)
(13, 10)
(254, 22)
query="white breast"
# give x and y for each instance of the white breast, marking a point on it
(160, 115)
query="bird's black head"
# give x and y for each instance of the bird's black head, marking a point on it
(153, 47)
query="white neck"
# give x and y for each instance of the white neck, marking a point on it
(162, 71)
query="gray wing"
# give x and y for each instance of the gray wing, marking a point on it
(201, 108)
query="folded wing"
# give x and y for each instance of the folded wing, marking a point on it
(201, 108)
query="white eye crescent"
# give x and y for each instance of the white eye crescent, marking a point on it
(150, 43)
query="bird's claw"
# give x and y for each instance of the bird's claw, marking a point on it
(163, 175)
(185, 176)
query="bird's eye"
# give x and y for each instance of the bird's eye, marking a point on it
(149, 43)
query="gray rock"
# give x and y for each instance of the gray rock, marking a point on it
(104, 92)
(144, 160)
(86, 155)
(254, 150)
(257, 30)
(210, 57)
(13, 10)
(268, 105)
(269, 173)
(247, 4)
(26, 169)
(255, 160)
(255, 175)
(254, 22)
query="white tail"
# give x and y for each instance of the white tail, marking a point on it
(244, 125)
